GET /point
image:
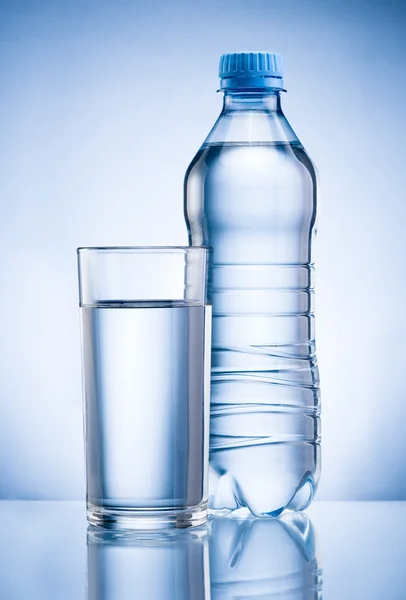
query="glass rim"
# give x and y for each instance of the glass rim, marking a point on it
(141, 249)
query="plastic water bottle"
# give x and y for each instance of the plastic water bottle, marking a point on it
(250, 193)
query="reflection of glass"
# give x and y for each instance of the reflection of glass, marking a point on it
(264, 558)
(170, 565)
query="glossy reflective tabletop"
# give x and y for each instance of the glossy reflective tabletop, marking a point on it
(347, 551)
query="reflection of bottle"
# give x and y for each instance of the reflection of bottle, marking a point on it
(264, 558)
(250, 193)
(149, 565)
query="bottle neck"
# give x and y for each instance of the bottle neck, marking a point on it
(268, 101)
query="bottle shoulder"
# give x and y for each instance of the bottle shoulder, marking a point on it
(252, 127)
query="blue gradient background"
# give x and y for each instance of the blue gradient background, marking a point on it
(102, 106)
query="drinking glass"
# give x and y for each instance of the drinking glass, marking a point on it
(146, 339)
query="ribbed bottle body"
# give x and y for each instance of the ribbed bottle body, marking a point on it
(255, 202)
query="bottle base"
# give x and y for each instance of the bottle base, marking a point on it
(227, 496)
(146, 519)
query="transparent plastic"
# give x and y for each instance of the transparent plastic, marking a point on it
(250, 192)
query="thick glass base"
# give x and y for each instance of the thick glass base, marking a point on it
(144, 519)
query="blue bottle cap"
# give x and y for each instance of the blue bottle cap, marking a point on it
(251, 70)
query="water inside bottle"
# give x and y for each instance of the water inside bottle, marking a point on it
(259, 211)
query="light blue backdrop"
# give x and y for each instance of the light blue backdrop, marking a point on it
(102, 106)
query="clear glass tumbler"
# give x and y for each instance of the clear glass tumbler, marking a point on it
(146, 339)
